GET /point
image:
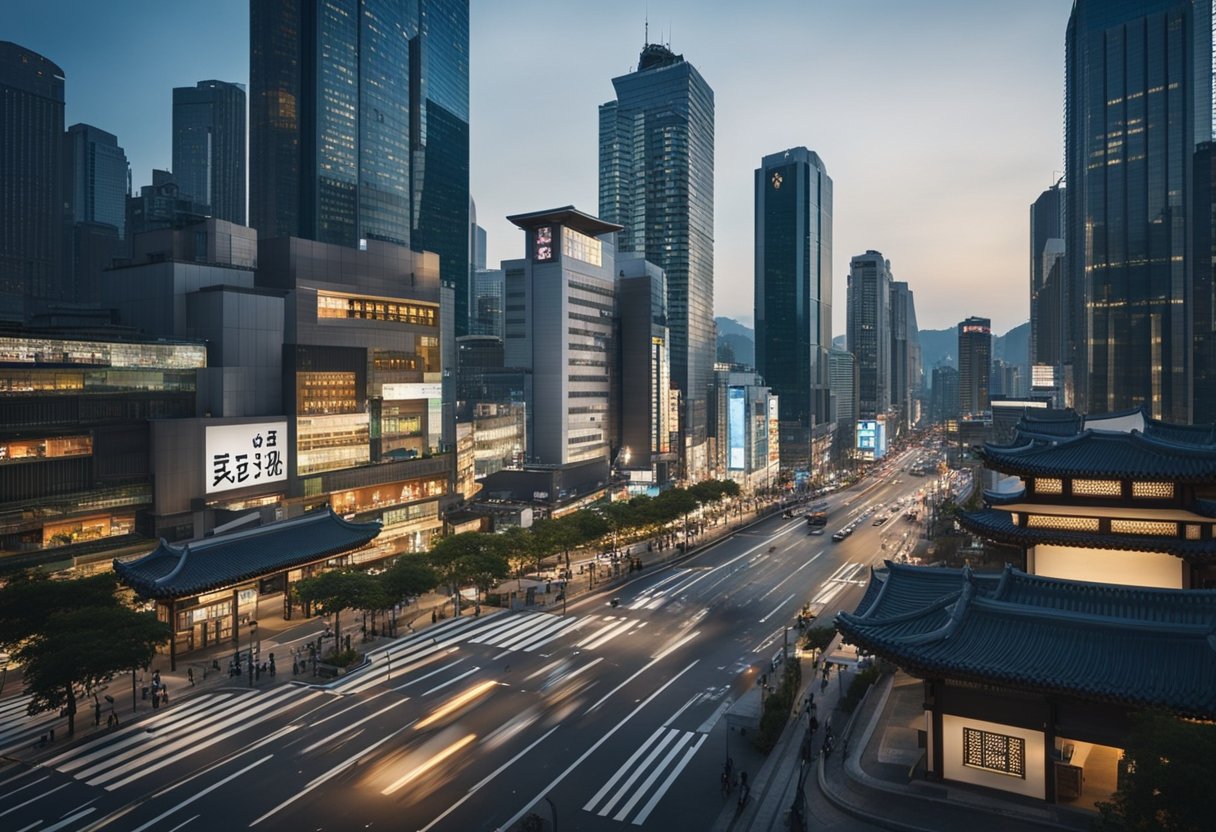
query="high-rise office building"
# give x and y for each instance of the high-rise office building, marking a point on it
(488, 300)
(869, 331)
(793, 294)
(163, 204)
(1138, 105)
(905, 354)
(209, 146)
(31, 180)
(562, 298)
(643, 380)
(359, 126)
(843, 373)
(974, 365)
(657, 182)
(1048, 288)
(96, 177)
(944, 395)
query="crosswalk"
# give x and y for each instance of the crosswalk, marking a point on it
(129, 754)
(19, 730)
(524, 632)
(640, 783)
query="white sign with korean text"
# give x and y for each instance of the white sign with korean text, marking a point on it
(239, 456)
(411, 392)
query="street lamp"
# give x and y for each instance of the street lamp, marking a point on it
(253, 628)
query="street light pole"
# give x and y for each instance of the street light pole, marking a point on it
(253, 628)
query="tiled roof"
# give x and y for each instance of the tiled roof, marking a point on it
(1102, 454)
(998, 525)
(1182, 434)
(176, 571)
(1128, 645)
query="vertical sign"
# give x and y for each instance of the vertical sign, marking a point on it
(736, 427)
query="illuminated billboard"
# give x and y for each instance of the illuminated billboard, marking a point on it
(243, 455)
(736, 428)
(871, 438)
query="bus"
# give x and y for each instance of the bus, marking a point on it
(817, 515)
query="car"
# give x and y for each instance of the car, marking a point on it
(816, 531)
(839, 536)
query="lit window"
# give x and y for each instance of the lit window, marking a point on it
(1153, 490)
(1048, 485)
(1192, 532)
(1097, 488)
(994, 752)
(1144, 527)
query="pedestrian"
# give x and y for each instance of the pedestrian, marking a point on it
(272, 664)
(190, 675)
(164, 694)
(434, 616)
(96, 713)
(155, 699)
(814, 725)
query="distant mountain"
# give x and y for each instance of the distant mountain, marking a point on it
(940, 346)
(1014, 346)
(737, 340)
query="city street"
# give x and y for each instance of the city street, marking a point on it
(605, 716)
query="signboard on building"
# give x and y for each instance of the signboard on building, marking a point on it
(736, 428)
(871, 438)
(238, 456)
(774, 432)
(411, 392)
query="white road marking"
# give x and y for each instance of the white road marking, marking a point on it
(452, 681)
(412, 682)
(671, 778)
(202, 794)
(34, 799)
(779, 606)
(354, 725)
(654, 775)
(644, 668)
(670, 735)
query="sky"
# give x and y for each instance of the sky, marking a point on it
(939, 121)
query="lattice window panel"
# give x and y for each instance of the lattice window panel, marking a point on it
(1158, 528)
(1153, 490)
(1071, 524)
(1097, 488)
(1048, 485)
(1192, 532)
(994, 752)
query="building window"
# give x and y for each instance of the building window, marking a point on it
(334, 305)
(994, 752)
(1013, 517)
(1153, 490)
(1048, 485)
(1192, 532)
(1144, 527)
(1097, 488)
(1072, 524)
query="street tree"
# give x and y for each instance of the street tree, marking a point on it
(72, 637)
(408, 577)
(342, 589)
(454, 559)
(1168, 766)
(487, 566)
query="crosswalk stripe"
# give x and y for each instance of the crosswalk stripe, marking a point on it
(564, 625)
(670, 735)
(526, 623)
(516, 642)
(578, 625)
(609, 636)
(620, 772)
(671, 778)
(654, 775)
(612, 622)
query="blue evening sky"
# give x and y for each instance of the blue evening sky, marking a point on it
(940, 121)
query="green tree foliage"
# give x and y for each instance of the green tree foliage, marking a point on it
(72, 637)
(408, 577)
(1169, 766)
(467, 558)
(343, 589)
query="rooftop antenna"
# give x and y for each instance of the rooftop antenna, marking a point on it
(647, 43)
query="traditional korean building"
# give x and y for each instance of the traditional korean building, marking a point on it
(208, 588)
(1030, 681)
(1120, 499)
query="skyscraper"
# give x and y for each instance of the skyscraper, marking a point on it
(657, 181)
(31, 179)
(96, 177)
(793, 299)
(1048, 288)
(974, 365)
(869, 331)
(359, 126)
(209, 146)
(905, 353)
(1138, 105)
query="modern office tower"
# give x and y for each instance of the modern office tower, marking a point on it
(1006, 381)
(745, 421)
(793, 296)
(562, 302)
(842, 370)
(657, 182)
(1138, 105)
(359, 126)
(163, 204)
(1049, 304)
(96, 182)
(209, 146)
(974, 365)
(869, 331)
(643, 380)
(96, 177)
(488, 302)
(1203, 297)
(905, 354)
(943, 397)
(31, 180)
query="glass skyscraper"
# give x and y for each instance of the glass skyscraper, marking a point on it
(657, 180)
(31, 179)
(1138, 106)
(869, 331)
(96, 177)
(974, 366)
(359, 125)
(1048, 289)
(209, 146)
(793, 300)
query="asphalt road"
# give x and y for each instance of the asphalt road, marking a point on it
(609, 717)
